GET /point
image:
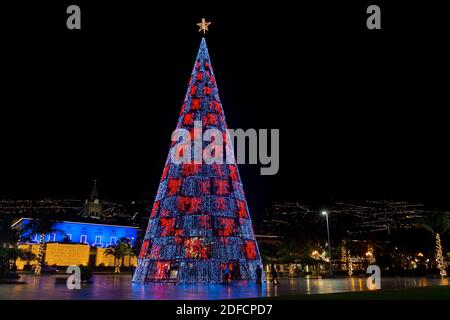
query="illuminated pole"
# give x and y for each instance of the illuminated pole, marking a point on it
(329, 242)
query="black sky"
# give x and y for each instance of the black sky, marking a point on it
(361, 113)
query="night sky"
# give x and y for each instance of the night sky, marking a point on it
(361, 113)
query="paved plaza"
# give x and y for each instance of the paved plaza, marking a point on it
(119, 287)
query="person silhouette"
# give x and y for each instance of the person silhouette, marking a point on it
(274, 273)
(258, 275)
(226, 274)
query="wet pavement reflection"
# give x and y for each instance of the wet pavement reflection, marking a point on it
(119, 287)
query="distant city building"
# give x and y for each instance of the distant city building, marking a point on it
(77, 243)
(281, 215)
(95, 235)
(360, 217)
(38, 207)
(93, 207)
(118, 213)
(380, 216)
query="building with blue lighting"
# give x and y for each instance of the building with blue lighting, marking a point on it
(96, 235)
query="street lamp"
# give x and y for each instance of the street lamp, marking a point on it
(329, 242)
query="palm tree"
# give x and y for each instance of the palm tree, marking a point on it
(28, 256)
(15, 253)
(41, 227)
(119, 251)
(4, 260)
(128, 248)
(437, 223)
(9, 237)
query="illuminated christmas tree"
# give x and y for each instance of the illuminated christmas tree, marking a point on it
(350, 265)
(344, 257)
(440, 262)
(199, 223)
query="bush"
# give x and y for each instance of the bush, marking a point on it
(86, 273)
(9, 275)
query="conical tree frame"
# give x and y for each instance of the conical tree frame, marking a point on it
(200, 222)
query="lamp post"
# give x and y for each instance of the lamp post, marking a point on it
(329, 242)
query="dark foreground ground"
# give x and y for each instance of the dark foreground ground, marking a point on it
(422, 293)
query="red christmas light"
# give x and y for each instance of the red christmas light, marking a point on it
(221, 187)
(210, 120)
(174, 186)
(228, 227)
(188, 119)
(233, 172)
(190, 169)
(167, 227)
(193, 90)
(241, 209)
(195, 104)
(207, 90)
(250, 249)
(154, 209)
(144, 248)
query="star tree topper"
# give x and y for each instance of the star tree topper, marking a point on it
(203, 26)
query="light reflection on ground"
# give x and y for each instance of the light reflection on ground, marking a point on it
(119, 287)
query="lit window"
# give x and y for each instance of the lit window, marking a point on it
(51, 237)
